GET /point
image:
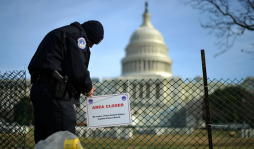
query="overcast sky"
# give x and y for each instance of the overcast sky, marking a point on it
(25, 23)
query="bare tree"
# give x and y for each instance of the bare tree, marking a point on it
(229, 19)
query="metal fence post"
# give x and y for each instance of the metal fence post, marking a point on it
(208, 118)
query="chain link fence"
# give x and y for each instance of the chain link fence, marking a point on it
(166, 113)
(14, 109)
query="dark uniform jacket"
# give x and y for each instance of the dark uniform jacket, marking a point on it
(66, 50)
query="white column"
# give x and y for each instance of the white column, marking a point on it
(143, 88)
(153, 92)
(141, 66)
(144, 63)
(147, 68)
(138, 92)
(152, 64)
(149, 65)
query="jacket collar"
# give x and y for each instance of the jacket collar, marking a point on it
(78, 25)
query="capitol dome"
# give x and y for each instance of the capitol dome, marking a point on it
(146, 53)
(146, 33)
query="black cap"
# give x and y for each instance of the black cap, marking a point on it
(94, 30)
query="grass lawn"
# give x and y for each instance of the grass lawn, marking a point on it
(197, 140)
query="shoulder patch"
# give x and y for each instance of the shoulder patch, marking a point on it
(82, 43)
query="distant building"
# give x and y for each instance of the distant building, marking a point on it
(248, 84)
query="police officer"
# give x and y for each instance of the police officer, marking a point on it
(59, 74)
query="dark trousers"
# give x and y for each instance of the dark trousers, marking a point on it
(51, 115)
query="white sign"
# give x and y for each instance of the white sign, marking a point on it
(108, 110)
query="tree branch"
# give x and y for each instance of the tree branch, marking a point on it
(227, 22)
(251, 4)
(242, 24)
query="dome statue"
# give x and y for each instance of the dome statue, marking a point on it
(146, 53)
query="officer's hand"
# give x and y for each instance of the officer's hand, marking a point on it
(91, 92)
